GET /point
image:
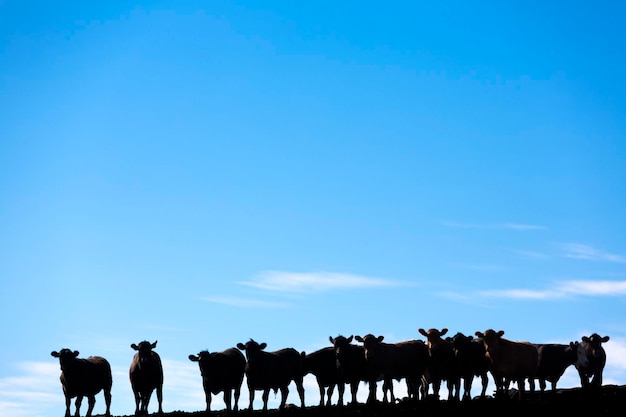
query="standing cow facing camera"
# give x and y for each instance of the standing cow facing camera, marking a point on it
(596, 357)
(84, 378)
(273, 370)
(221, 371)
(146, 375)
(510, 361)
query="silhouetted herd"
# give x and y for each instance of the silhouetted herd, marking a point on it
(421, 364)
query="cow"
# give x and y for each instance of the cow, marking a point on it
(351, 363)
(596, 357)
(471, 361)
(146, 375)
(84, 378)
(273, 370)
(509, 360)
(441, 363)
(555, 358)
(389, 361)
(221, 372)
(323, 365)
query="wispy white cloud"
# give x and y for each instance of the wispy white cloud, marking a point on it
(35, 392)
(246, 302)
(525, 294)
(586, 252)
(302, 282)
(504, 226)
(561, 290)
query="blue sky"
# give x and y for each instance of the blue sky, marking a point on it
(202, 173)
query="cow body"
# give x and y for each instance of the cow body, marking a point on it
(389, 361)
(273, 370)
(596, 357)
(350, 362)
(555, 358)
(510, 361)
(323, 365)
(84, 378)
(146, 375)
(221, 372)
(471, 361)
(442, 364)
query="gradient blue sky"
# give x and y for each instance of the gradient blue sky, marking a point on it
(201, 173)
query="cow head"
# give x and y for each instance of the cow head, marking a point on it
(144, 351)
(204, 360)
(433, 336)
(251, 348)
(66, 358)
(578, 354)
(491, 340)
(371, 344)
(593, 345)
(340, 343)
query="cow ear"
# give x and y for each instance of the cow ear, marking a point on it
(469, 338)
(422, 332)
(55, 354)
(262, 345)
(350, 338)
(241, 346)
(501, 333)
(134, 346)
(585, 339)
(604, 339)
(358, 338)
(194, 358)
(443, 331)
(154, 344)
(330, 338)
(479, 334)
(75, 353)
(380, 338)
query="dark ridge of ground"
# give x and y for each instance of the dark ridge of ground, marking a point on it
(609, 400)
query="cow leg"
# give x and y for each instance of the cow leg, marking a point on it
(371, 398)
(300, 389)
(341, 388)
(265, 396)
(329, 394)
(453, 389)
(207, 399)
(485, 381)
(68, 404)
(227, 399)
(159, 392)
(354, 387)
(251, 395)
(107, 401)
(436, 388)
(467, 387)
(237, 394)
(137, 401)
(91, 401)
(78, 402)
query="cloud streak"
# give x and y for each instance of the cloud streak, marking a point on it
(305, 282)
(246, 302)
(562, 290)
(589, 253)
(501, 226)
